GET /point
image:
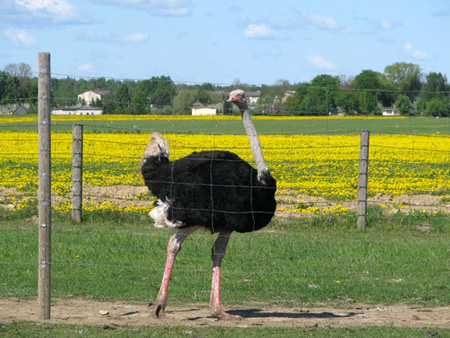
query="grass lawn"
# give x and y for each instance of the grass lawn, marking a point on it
(413, 125)
(30, 329)
(113, 261)
(315, 262)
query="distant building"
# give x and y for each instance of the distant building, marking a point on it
(15, 109)
(336, 111)
(204, 111)
(389, 111)
(89, 97)
(22, 109)
(253, 97)
(287, 94)
(77, 111)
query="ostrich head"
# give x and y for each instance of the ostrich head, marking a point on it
(238, 98)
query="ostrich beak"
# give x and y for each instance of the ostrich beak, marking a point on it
(234, 99)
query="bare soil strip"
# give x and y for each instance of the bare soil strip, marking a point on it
(80, 311)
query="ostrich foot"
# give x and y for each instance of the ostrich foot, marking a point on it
(222, 315)
(160, 311)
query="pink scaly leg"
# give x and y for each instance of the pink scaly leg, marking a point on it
(173, 248)
(218, 252)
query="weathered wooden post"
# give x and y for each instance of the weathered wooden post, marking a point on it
(77, 172)
(361, 208)
(44, 195)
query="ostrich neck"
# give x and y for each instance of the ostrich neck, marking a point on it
(254, 143)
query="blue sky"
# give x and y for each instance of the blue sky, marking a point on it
(255, 41)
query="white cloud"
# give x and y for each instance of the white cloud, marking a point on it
(322, 22)
(320, 63)
(134, 37)
(386, 24)
(43, 11)
(87, 68)
(260, 31)
(156, 7)
(415, 53)
(20, 37)
(351, 30)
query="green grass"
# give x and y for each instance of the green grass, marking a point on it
(117, 257)
(392, 262)
(29, 329)
(413, 125)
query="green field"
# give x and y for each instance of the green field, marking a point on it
(413, 125)
(114, 261)
(29, 329)
(116, 257)
(108, 263)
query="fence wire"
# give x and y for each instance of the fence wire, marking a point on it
(317, 178)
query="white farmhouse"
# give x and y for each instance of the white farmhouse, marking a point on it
(253, 97)
(389, 111)
(204, 111)
(77, 111)
(89, 97)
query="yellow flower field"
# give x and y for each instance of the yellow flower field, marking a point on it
(313, 165)
(34, 118)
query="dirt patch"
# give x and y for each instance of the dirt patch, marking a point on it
(126, 195)
(80, 311)
(287, 201)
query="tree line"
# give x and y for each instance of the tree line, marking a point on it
(401, 85)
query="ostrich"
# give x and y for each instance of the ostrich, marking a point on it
(215, 191)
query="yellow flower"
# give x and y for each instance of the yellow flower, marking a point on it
(304, 165)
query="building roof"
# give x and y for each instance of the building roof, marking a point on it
(97, 91)
(253, 94)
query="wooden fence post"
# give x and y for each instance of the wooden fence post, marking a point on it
(44, 195)
(77, 172)
(361, 208)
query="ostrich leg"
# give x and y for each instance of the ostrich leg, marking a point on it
(218, 253)
(173, 248)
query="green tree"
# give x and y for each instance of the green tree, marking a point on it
(138, 105)
(6, 86)
(325, 92)
(294, 103)
(109, 104)
(64, 91)
(375, 82)
(367, 79)
(319, 96)
(434, 87)
(368, 103)
(207, 86)
(19, 81)
(405, 77)
(403, 104)
(438, 107)
(123, 96)
(202, 96)
(348, 102)
(164, 91)
(20, 70)
(387, 93)
(421, 105)
(183, 102)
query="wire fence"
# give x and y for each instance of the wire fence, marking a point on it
(317, 174)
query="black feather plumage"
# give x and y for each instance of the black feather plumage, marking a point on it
(213, 189)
